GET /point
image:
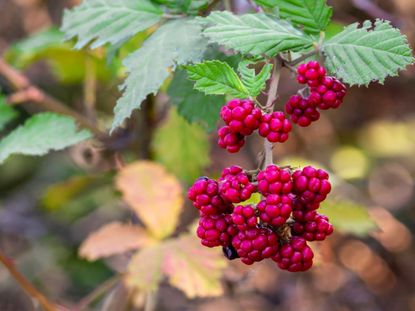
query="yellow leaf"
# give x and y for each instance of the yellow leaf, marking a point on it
(153, 194)
(113, 238)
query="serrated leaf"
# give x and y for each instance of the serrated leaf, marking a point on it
(252, 82)
(112, 239)
(255, 34)
(360, 55)
(348, 217)
(40, 134)
(7, 113)
(108, 21)
(193, 105)
(267, 3)
(187, 157)
(311, 15)
(153, 194)
(176, 42)
(216, 78)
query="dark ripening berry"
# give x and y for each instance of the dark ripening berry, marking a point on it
(216, 230)
(330, 93)
(230, 252)
(234, 185)
(204, 194)
(316, 229)
(310, 73)
(311, 186)
(274, 180)
(275, 209)
(241, 116)
(303, 111)
(296, 256)
(255, 244)
(275, 127)
(230, 141)
(244, 217)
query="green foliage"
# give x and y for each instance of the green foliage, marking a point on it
(184, 6)
(193, 105)
(40, 134)
(360, 55)
(176, 42)
(348, 217)
(7, 113)
(311, 15)
(255, 34)
(267, 3)
(254, 83)
(108, 21)
(189, 153)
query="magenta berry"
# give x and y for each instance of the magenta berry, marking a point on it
(275, 209)
(311, 186)
(216, 230)
(303, 111)
(241, 116)
(295, 256)
(205, 196)
(316, 229)
(234, 185)
(274, 180)
(229, 140)
(330, 93)
(255, 244)
(244, 217)
(310, 73)
(275, 127)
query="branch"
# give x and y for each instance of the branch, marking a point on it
(26, 285)
(25, 91)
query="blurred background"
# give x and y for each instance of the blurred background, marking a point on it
(49, 205)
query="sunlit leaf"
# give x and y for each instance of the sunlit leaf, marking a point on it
(7, 113)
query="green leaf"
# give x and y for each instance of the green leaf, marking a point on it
(311, 15)
(193, 105)
(216, 78)
(108, 21)
(267, 3)
(40, 134)
(189, 154)
(360, 55)
(7, 113)
(176, 42)
(254, 83)
(348, 217)
(255, 34)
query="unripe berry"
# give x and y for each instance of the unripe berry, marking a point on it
(303, 111)
(275, 209)
(274, 180)
(229, 140)
(234, 185)
(241, 116)
(275, 127)
(216, 230)
(310, 73)
(244, 217)
(316, 229)
(255, 244)
(295, 256)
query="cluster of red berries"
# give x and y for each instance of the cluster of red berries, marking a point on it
(325, 92)
(278, 227)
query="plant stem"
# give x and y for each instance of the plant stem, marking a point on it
(26, 285)
(151, 301)
(302, 58)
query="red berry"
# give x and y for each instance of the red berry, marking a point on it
(216, 230)
(255, 244)
(316, 229)
(330, 93)
(303, 111)
(234, 185)
(244, 217)
(274, 180)
(311, 186)
(241, 116)
(275, 127)
(310, 73)
(295, 256)
(204, 194)
(275, 209)
(230, 141)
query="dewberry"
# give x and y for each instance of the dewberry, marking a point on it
(216, 230)
(295, 256)
(241, 116)
(244, 217)
(275, 127)
(255, 244)
(275, 209)
(303, 111)
(234, 185)
(304, 212)
(330, 93)
(274, 180)
(316, 229)
(310, 73)
(204, 194)
(311, 186)
(229, 140)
